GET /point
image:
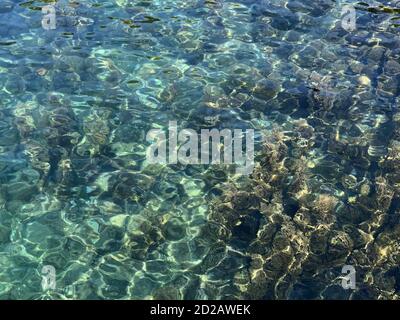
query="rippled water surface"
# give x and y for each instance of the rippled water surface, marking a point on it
(78, 194)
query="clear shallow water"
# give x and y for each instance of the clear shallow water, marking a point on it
(77, 193)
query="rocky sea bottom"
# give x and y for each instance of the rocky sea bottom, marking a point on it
(79, 198)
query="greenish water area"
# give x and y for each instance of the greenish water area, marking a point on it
(79, 198)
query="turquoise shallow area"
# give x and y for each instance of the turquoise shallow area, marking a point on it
(76, 103)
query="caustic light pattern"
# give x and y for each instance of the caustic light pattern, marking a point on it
(85, 215)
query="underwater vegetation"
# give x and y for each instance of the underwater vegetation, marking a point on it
(297, 230)
(76, 190)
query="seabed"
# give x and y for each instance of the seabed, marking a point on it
(80, 200)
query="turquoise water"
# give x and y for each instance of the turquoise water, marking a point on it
(78, 194)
